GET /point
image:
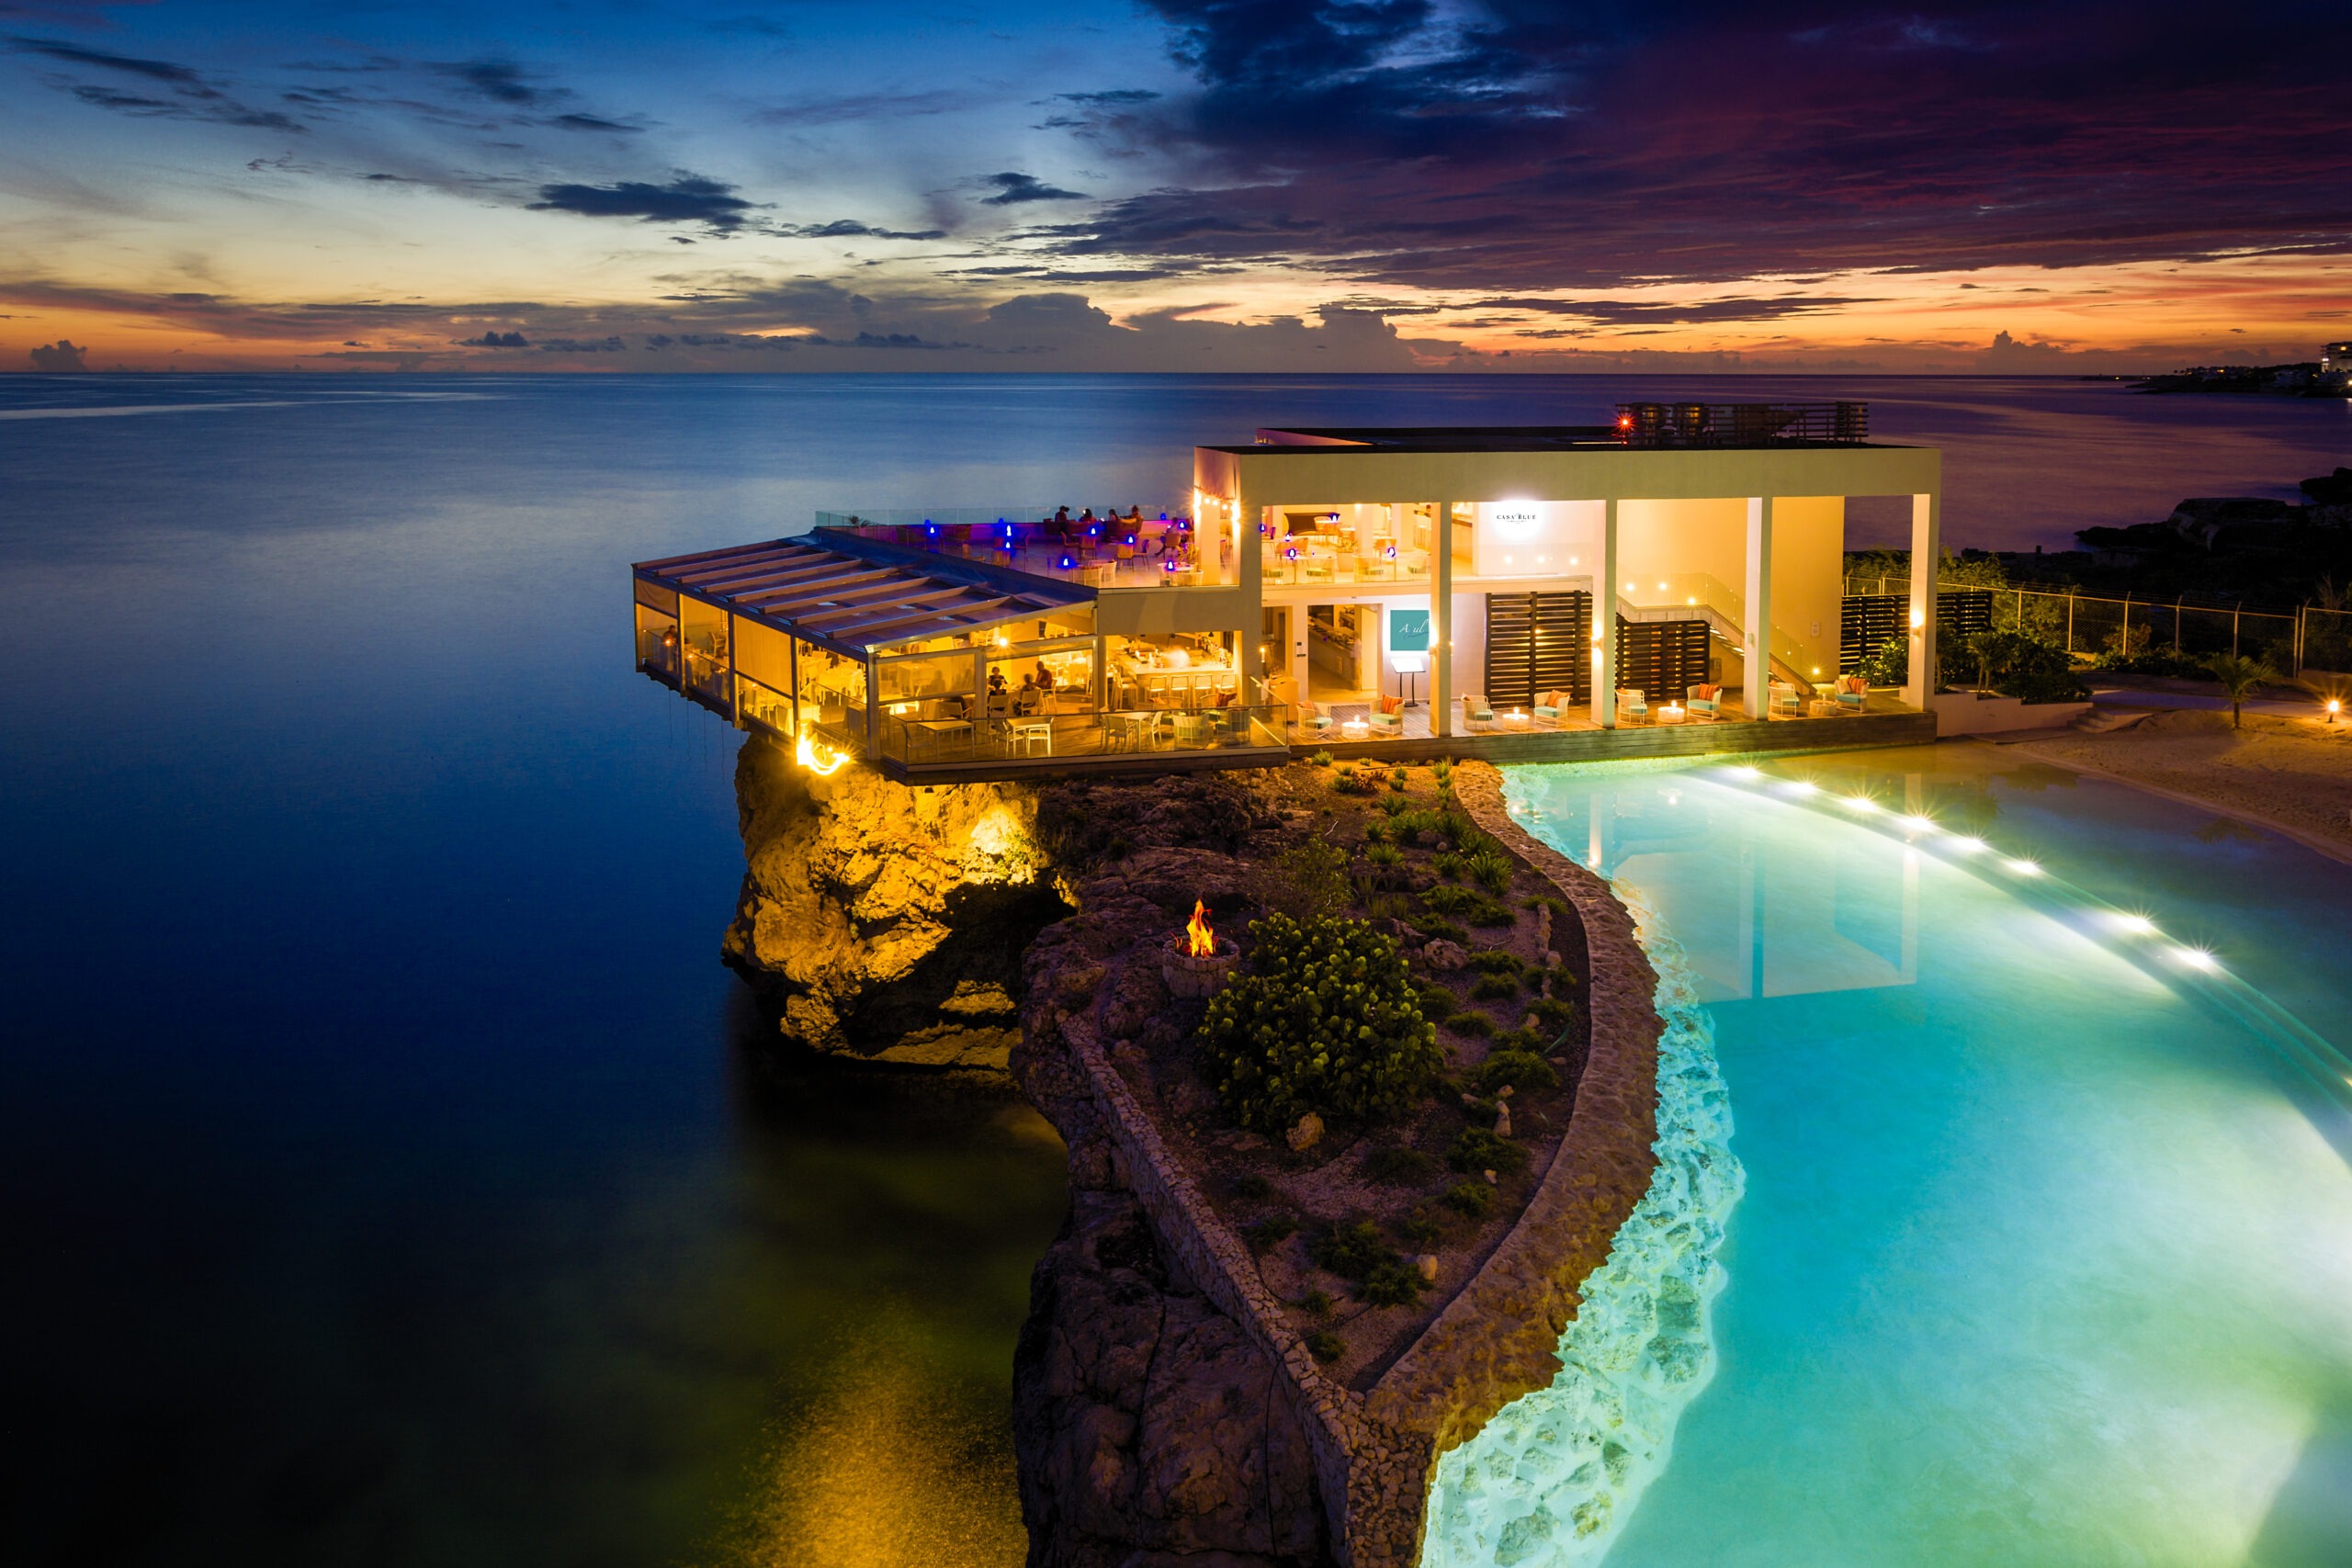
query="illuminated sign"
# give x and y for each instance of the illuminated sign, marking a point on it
(1515, 519)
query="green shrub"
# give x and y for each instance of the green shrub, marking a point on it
(1321, 759)
(1477, 1149)
(1494, 961)
(1442, 770)
(1474, 1199)
(1492, 869)
(1346, 781)
(1448, 866)
(1493, 987)
(1559, 907)
(1324, 1346)
(1522, 1070)
(2018, 666)
(1389, 905)
(1437, 997)
(1468, 904)
(1270, 1231)
(1327, 1019)
(1397, 779)
(1317, 1301)
(1250, 1187)
(1352, 1251)
(1525, 1039)
(1398, 1165)
(1394, 807)
(1470, 1023)
(1385, 856)
(1308, 877)
(1391, 1284)
(1552, 1011)
(1421, 1227)
(1438, 930)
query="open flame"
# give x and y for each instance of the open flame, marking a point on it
(1199, 935)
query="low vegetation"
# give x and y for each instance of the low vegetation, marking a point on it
(1326, 1021)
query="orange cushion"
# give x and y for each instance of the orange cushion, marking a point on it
(1706, 693)
(1392, 705)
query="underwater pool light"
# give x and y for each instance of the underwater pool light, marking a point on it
(1748, 774)
(1859, 802)
(2138, 925)
(1801, 787)
(2025, 868)
(1965, 845)
(1918, 824)
(2195, 958)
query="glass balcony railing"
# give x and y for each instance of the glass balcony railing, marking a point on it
(1157, 553)
(915, 742)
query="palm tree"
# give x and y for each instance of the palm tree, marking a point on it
(2239, 677)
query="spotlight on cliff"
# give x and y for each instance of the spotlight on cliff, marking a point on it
(821, 761)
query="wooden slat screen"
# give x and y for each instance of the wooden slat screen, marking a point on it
(1661, 659)
(1538, 642)
(1865, 621)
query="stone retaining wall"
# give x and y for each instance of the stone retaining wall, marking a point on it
(1498, 1337)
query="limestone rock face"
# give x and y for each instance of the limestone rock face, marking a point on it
(1150, 1427)
(886, 922)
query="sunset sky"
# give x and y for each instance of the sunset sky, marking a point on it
(1178, 185)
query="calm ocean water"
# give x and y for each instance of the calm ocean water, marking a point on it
(392, 1175)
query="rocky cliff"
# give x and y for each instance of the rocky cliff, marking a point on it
(882, 921)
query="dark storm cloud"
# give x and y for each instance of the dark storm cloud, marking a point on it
(74, 54)
(1538, 142)
(593, 123)
(1615, 312)
(497, 80)
(688, 198)
(1011, 189)
(212, 107)
(185, 94)
(849, 229)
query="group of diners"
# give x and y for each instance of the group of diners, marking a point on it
(1004, 700)
(1128, 532)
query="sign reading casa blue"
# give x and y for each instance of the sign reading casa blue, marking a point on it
(1408, 631)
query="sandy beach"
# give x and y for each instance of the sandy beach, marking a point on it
(2295, 772)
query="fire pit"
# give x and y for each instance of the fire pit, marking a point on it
(1197, 960)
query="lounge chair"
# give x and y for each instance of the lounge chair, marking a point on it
(1387, 716)
(1631, 703)
(1704, 702)
(1850, 690)
(1548, 706)
(1783, 698)
(1476, 714)
(1311, 716)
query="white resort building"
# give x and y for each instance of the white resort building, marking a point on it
(1669, 584)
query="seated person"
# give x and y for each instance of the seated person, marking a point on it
(1044, 677)
(1029, 699)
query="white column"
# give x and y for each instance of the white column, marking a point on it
(1756, 631)
(1247, 554)
(1441, 624)
(1926, 555)
(1604, 623)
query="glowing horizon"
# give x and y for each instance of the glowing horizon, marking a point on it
(1202, 186)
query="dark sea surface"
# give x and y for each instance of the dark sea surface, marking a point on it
(388, 1172)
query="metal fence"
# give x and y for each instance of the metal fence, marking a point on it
(2306, 637)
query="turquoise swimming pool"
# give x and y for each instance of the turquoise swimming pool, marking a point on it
(2044, 1249)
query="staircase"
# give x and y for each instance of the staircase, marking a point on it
(1722, 628)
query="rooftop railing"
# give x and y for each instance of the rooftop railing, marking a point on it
(1743, 425)
(1103, 553)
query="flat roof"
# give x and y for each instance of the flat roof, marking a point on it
(1438, 438)
(851, 599)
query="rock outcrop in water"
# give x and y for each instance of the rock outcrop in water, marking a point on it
(884, 921)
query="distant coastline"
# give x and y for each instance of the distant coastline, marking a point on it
(2330, 378)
